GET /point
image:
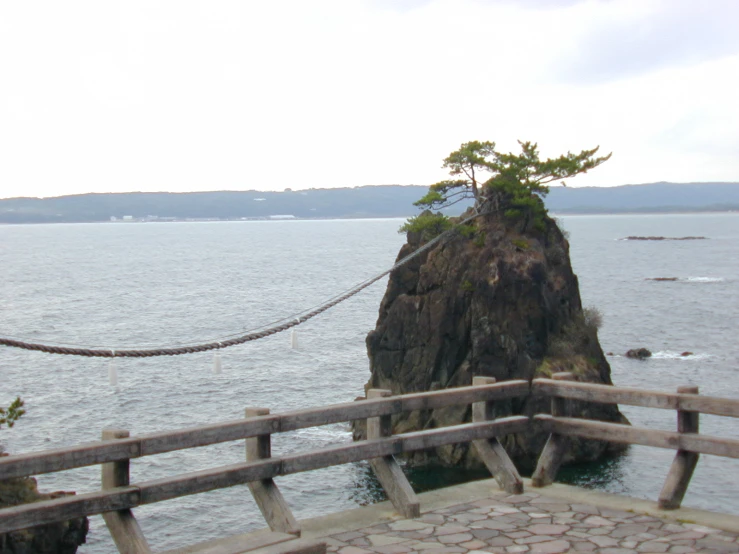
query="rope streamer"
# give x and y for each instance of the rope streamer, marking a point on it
(241, 339)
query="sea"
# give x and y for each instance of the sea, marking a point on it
(133, 285)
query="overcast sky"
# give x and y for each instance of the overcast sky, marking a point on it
(210, 95)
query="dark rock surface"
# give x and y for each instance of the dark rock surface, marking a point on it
(54, 538)
(500, 300)
(639, 353)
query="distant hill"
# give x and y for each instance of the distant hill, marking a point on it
(655, 197)
(368, 201)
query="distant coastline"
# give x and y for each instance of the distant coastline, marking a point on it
(368, 202)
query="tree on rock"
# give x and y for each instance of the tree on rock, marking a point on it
(521, 179)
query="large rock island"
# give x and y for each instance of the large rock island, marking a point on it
(496, 297)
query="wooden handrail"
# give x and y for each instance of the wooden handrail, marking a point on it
(609, 394)
(687, 440)
(49, 461)
(626, 434)
(118, 495)
(148, 492)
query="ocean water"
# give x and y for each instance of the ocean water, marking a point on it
(124, 285)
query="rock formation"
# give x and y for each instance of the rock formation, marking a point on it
(639, 353)
(497, 298)
(54, 538)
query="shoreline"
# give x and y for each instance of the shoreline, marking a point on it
(350, 218)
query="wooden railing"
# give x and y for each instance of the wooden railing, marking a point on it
(686, 440)
(118, 495)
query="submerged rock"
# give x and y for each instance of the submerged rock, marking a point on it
(53, 538)
(639, 353)
(499, 299)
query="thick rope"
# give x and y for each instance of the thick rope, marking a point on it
(293, 321)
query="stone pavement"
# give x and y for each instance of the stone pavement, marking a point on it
(535, 523)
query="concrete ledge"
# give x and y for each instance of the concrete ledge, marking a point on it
(383, 512)
(717, 520)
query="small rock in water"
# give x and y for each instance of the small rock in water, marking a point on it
(638, 353)
(662, 279)
(609, 354)
(686, 353)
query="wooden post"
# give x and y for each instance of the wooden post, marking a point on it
(556, 447)
(272, 504)
(491, 452)
(681, 470)
(386, 469)
(122, 525)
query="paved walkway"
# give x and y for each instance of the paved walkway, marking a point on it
(534, 523)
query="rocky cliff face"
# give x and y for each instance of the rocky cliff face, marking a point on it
(498, 299)
(54, 538)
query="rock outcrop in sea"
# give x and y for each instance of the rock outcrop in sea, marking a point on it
(497, 298)
(639, 353)
(54, 538)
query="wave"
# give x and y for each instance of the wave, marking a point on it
(705, 279)
(688, 279)
(673, 355)
(329, 433)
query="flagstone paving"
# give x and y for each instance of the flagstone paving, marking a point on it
(532, 523)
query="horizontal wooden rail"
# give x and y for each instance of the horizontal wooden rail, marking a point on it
(376, 407)
(616, 432)
(609, 394)
(61, 459)
(260, 428)
(67, 507)
(39, 513)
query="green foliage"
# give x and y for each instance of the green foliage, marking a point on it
(466, 230)
(471, 158)
(561, 227)
(545, 369)
(467, 286)
(430, 225)
(574, 363)
(592, 317)
(479, 240)
(517, 176)
(11, 414)
(515, 184)
(576, 334)
(444, 194)
(523, 244)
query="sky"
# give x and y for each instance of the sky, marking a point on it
(189, 95)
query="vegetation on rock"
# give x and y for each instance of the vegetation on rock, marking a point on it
(513, 183)
(11, 414)
(427, 225)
